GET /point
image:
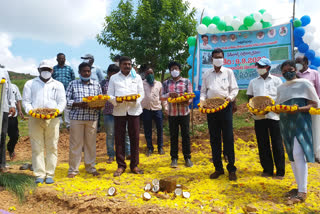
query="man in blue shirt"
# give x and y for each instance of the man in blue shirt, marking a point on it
(64, 74)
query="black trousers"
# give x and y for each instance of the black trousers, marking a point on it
(265, 129)
(221, 123)
(174, 123)
(3, 140)
(13, 133)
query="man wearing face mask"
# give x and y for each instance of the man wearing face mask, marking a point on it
(152, 110)
(313, 76)
(221, 82)
(179, 113)
(267, 126)
(44, 92)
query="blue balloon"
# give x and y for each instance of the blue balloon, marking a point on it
(298, 41)
(191, 50)
(305, 20)
(190, 59)
(298, 32)
(291, 20)
(316, 61)
(303, 48)
(310, 54)
(313, 67)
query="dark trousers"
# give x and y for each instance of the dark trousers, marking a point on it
(221, 122)
(148, 116)
(13, 133)
(174, 123)
(265, 129)
(120, 132)
(3, 140)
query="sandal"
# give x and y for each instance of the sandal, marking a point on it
(299, 198)
(118, 172)
(25, 166)
(136, 170)
(71, 175)
(291, 193)
(95, 173)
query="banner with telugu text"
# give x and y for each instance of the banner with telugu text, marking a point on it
(243, 49)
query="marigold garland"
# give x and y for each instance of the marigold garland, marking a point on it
(36, 114)
(182, 98)
(213, 110)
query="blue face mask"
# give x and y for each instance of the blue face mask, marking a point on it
(289, 75)
(85, 79)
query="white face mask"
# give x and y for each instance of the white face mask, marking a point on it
(86, 60)
(217, 62)
(45, 75)
(175, 73)
(116, 63)
(299, 66)
(261, 71)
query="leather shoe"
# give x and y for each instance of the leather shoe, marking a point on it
(161, 151)
(128, 157)
(216, 174)
(110, 160)
(149, 152)
(232, 176)
(189, 163)
(174, 163)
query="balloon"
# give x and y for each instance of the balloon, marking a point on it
(314, 45)
(262, 11)
(202, 29)
(206, 20)
(298, 54)
(190, 60)
(191, 50)
(310, 54)
(221, 25)
(266, 17)
(229, 28)
(266, 24)
(316, 61)
(313, 67)
(243, 27)
(297, 23)
(298, 32)
(257, 17)
(212, 28)
(235, 23)
(308, 38)
(215, 20)
(257, 26)
(192, 41)
(303, 48)
(190, 72)
(248, 21)
(305, 20)
(291, 20)
(228, 20)
(298, 41)
(317, 52)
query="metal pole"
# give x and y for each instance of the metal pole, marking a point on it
(293, 16)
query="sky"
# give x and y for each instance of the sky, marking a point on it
(34, 30)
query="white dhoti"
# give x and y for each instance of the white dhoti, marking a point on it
(316, 135)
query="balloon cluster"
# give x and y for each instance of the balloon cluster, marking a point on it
(192, 48)
(305, 41)
(254, 21)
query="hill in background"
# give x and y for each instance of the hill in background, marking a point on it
(19, 76)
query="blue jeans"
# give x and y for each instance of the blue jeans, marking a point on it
(148, 116)
(109, 127)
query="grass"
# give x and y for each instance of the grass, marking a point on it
(17, 183)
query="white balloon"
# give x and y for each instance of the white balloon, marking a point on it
(257, 17)
(308, 38)
(212, 28)
(266, 17)
(257, 26)
(298, 54)
(236, 23)
(202, 29)
(310, 28)
(228, 19)
(242, 15)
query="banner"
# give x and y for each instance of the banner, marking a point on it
(242, 49)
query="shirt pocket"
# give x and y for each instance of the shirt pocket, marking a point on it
(224, 83)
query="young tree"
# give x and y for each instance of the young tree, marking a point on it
(153, 34)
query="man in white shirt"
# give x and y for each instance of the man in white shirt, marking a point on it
(221, 82)
(124, 83)
(13, 128)
(267, 126)
(205, 44)
(8, 108)
(44, 92)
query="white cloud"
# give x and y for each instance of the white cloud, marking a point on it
(67, 21)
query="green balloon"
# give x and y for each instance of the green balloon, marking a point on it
(221, 25)
(206, 21)
(262, 11)
(297, 23)
(229, 28)
(243, 27)
(192, 41)
(216, 20)
(266, 24)
(248, 21)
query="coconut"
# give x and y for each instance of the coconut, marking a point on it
(112, 191)
(186, 194)
(155, 182)
(178, 192)
(146, 196)
(147, 187)
(155, 188)
(179, 186)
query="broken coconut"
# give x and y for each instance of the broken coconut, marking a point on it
(146, 196)
(155, 182)
(186, 194)
(178, 192)
(147, 187)
(167, 184)
(112, 191)
(155, 188)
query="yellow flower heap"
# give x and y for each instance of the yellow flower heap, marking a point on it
(36, 113)
(95, 98)
(213, 110)
(128, 98)
(182, 98)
